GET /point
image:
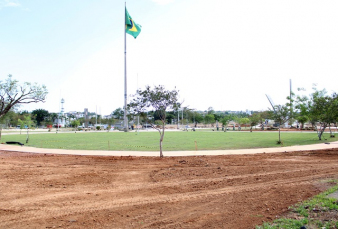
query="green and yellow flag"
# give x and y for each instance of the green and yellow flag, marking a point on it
(131, 27)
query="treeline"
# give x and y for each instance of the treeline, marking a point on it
(319, 109)
(42, 118)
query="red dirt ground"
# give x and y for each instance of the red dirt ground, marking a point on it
(64, 191)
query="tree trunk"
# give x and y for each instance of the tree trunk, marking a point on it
(321, 131)
(319, 135)
(161, 138)
(27, 136)
(161, 153)
(279, 134)
(331, 134)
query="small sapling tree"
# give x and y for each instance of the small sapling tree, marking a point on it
(157, 98)
(281, 114)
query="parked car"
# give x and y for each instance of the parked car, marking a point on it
(147, 125)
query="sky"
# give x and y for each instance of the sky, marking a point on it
(223, 54)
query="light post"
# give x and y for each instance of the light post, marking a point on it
(147, 121)
(178, 119)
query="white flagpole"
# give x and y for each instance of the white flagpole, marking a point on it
(125, 75)
(138, 116)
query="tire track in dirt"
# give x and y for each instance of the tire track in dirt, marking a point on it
(117, 189)
(46, 211)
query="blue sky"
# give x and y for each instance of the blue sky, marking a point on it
(219, 53)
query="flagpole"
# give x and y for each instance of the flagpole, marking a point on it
(125, 75)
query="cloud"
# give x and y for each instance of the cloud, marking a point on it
(163, 2)
(9, 3)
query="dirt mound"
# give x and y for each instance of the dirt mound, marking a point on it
(63, 191)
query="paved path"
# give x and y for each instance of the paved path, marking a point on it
(168, 153)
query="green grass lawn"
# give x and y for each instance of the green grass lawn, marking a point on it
(149, 141)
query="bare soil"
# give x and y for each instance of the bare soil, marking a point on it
(241, 191)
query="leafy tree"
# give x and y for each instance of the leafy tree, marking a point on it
(225, 121)
(26, 122)
(254, 119)
(211, 110)
(243, 121)
(10, 118)
(198, 118)
(52, 117)
(21, 123)
(209, 119)
(81, 120)
(71, 116)
(264, 116)
(218, 117)
(157, 98)
(75, 123)
(118, 113)
(319, 107)
(281, 115)
(236, 119)
(325, 110)
(170, 117)
(93, 120)
(109, 121)
(302, 119)
(40, 115)
(13, 94)
(188, 114)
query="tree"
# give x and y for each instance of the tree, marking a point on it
(302, 119)
(157, 98)
(237, 120)
(10, 118)
(25, 123)
(217, 117)
(198, 118)
(209, 119)
(75, 123)
(170, 117)
(254, 119)
(225, 121)
(281, 115)
(324, 110)
(108, 121)
(243, 121)
(53, 117)
(211, 110)
(319, 107)
(118, 113)
(13, 94)
(264, 116)
(40, 115)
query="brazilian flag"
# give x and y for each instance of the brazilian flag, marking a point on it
(131, 27)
